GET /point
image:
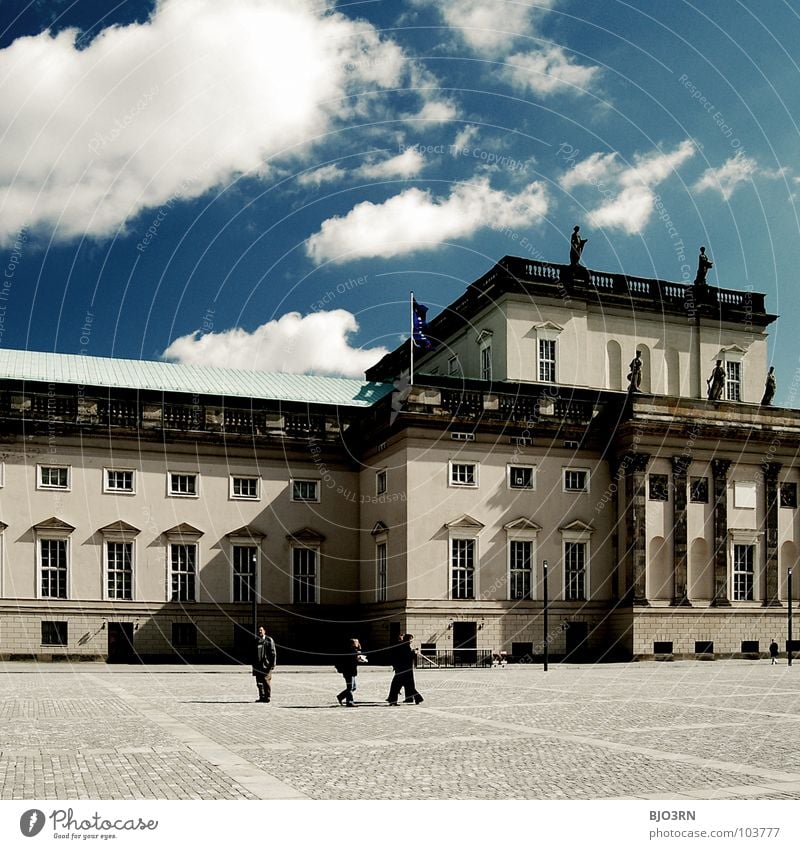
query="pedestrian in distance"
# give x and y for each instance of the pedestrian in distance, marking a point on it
(773, 652)
(263, 663)
(403, 657)
(348, 667)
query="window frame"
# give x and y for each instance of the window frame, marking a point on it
(118, 540)
(173, 494)
(181, 645)
(571, 536)
(692, 484)
(381, 482)
(382, 568)
(458, 536)
(452, 366)
(529, 537)
(317, 490)
(526, 466)
(475, 474)
(750, 574)
(40, 485)
(546, 362)
(65, 642)
(239, 543)
(655, 481)
(108, 490)
(486, 365)
(234, 496)
(316, 551)
(586, 471)
(731, 383)
(50, 536)
(751, 539)
(185, 543)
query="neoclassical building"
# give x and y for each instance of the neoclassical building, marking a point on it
(148, 508)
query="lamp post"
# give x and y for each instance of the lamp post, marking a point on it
(544, 588)
(255, 593)
(789, 589)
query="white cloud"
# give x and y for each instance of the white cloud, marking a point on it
(627, 189)
(318, 176)
(200, 93)
(738, 169)
(436, 111)
(549, 70)
(415, 220)
(406, 164)
(313, 344)
(464, 138)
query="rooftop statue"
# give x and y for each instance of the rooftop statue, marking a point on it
(576, 246)
(716, 383)
(770, 385)
(703, 264)
(635, 375)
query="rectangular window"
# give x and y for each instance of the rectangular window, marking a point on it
(183, 569)
(380, 482)
(659, 487)
(304, 575)
(119, 570)
(733, 381)
(119, 480)
(789, 495)
(54, 477)
(521, 477)
(452, 365)
(244, 487)
(462, 570)
(547, 360)
(53, 563)
(743, 560)
(521, 570)
(54, 634)
(704, 647)
(184, 634)
(576, 480)
(486, 362)
(663, 647)
(245, 561)
(305, 490)
(698, 490)
(183, 484)
(575, 571)
(382, 568)
(463, 474)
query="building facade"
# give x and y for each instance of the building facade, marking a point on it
(150, 510)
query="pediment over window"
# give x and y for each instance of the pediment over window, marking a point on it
(119, 527)
(184, 530)
(577, 527)
(54, 524)
(247, 532)
(308, 535)
(522, 524)
(465, 522)
(485, 336)
(3, 526)
(548, 325)
(379, 528)
(731, 349)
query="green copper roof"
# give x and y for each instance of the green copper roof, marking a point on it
(196, 380)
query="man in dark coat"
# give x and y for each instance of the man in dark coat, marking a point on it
(403, 656)
(348, 666)
(263, 664)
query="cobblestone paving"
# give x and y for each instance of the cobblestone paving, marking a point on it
(682, 730)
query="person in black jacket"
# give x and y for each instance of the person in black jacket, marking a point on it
(263, 664)
(403, 658)
(348, 666)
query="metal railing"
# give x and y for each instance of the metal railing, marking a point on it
(452, 658)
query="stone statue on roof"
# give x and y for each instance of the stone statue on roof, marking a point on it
(770, 385)
(703, 265)
(576, 246)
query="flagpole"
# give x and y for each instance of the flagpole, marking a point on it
(411, 340)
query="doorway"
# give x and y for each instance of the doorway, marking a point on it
(120, 642)
(577, 642)
(465, 643)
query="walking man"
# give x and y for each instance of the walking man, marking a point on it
(773, 652)
(403, 657)
(263, 664)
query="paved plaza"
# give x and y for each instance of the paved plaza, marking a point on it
(707, 730)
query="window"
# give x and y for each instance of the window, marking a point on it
(183, 484)
(245, 561)
(53, 567)
(789, 495)
(184, 634)
(53, 477)
(704, 647)
(463, 474)
(462, 568)
(521, 477)
(698, 490)
(183, 571)
(452, 365)
(305, 490)
(547, 360)
(119, 570)
(304, 575)
(520, 568)
(382, 570)
(663, 647)
(118, 480)
(380, 482)
(576, 480)
(659, 487)
(743, 560)
(486, 362)
(575, 571)
(54, 634)
(244, 487)
(733, 381)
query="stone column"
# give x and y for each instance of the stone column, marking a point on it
(636, 523)
(720, 470)
(680, 467)
(771, 495)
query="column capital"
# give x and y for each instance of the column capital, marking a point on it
(680, 465)
(771, 470)
(636, 461)
(720, 467)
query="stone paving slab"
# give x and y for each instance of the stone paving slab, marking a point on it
(667, 731)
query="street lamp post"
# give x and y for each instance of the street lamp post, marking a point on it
(789, 589)
(544, 588)
(255, 593)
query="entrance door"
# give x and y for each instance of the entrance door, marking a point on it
(120, 642)
(465, 643)
(577, 642)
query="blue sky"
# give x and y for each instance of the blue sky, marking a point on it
(260, 183)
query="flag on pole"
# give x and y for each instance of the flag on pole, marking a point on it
(419, 333)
